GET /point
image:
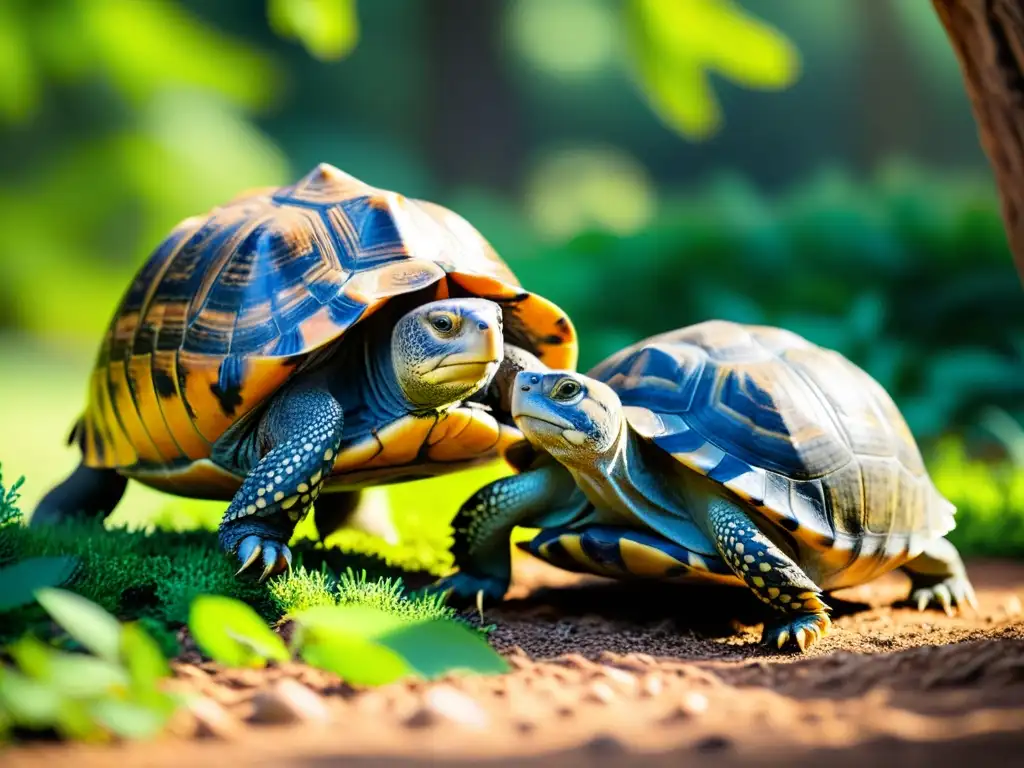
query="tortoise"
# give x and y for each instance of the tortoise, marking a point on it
(723, 452)
(317, 338)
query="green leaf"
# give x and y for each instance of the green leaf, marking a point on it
(354, 659)
(70, 674)
(143, 657)
(21, 580)
(359, 620)
(329, 29)
(76, 675)
(29, 703)
(674, 44)
(437, 647)
(128, 719)
(21, 84)
(33, 657)
(85, 621)
(231, 632)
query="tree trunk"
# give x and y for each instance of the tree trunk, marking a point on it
(988, 37)
(475, 134)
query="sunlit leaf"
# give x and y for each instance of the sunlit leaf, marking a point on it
(71, 674)
(85, 621)
(77, 675)
(231, 632)
(435, 648)
(33, 657)
(20, 86)
(355, 659)
(329, 29)
(29, 703)
(358, 620)
(142, 656)
(128, 719)
(21, 580)
(675, 44)
(144, 47)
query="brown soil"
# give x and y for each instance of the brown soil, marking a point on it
(613, 674)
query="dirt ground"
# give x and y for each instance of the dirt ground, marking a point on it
(614, 674)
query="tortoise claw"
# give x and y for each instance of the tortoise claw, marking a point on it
(804, 630)
(248, 551)
(954, 592)
(276, 557)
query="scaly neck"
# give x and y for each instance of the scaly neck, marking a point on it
(620, 480)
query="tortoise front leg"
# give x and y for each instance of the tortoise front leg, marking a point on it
(771, 574)
(303, 431)
(483, 528)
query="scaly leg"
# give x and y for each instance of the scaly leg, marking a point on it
(771, 574)
(303, 429)
(483, 528)
(938, 575)
(86, 493)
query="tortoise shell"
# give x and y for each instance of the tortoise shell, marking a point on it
(798, 432)
(231, 304)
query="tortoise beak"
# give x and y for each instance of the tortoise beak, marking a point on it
(528, 403)
(480, 355)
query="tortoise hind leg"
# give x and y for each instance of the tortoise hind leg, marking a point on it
(87, 493)
(771, 574)
(938, 576)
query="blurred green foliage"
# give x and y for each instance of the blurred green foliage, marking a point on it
(675, 44)
(113, 691)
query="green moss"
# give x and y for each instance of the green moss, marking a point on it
(304, 589)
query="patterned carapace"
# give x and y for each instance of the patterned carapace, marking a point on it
(230, 303)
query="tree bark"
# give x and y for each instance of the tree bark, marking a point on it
(988, 38)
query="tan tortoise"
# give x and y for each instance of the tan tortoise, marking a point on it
(720, 452)
(298, 344)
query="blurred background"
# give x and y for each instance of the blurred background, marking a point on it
(645, 164)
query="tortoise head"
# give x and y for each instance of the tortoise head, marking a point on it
(573, 417)
(446, 351)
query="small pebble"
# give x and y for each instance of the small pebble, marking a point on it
(693, 703)
(210, 719)
(444, 704)
(620, 676)
(1013, 606)
(289, 701)
(652, 685)
(600, 692)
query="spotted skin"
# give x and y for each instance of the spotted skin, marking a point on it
(770, 574)
(305, 431)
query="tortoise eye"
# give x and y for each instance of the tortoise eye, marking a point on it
(566, 389)
(442, 323)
